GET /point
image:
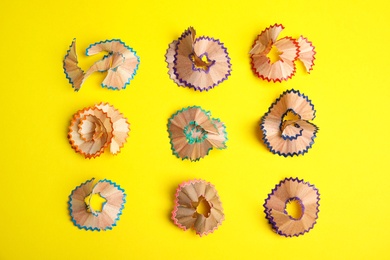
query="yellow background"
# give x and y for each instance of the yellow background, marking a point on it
(349, 162)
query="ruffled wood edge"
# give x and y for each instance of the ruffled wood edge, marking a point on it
(95, 128)
(187, 198)
(121, 64)
(293, 136)
(275, 207)
(82, 214)
(306, 53)
(193, 133)
(290, 50)
(199, 63)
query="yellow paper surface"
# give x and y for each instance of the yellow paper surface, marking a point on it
(349, 162)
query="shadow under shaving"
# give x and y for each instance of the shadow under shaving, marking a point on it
(172, 193)
(259, 134)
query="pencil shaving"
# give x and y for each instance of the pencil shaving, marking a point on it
(199, 63)
(121, 64)
(286, 127)
(193, 133)
(84, 216)
(95, 128)
(288, 51)
(275, 207)
(187, 199)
